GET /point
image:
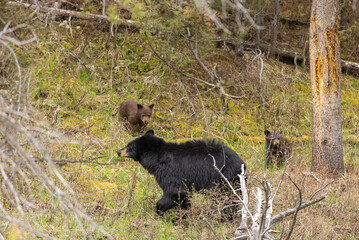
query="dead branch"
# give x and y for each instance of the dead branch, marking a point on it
(277, 218)
(91, 161)
(83, 129)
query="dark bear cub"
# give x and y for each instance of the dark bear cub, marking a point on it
(278, 148)
(181, 167)
(135, 115)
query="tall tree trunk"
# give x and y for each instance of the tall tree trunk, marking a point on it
(259, 22)
(327, 148)
(275, 28)
(344, 13)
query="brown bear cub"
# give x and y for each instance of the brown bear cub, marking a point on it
(278, 148)
(135, 115)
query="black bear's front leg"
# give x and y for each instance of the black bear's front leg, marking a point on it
(169, 201)
(165, 203)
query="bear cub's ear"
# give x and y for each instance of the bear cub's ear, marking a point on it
(151, 106)
(139, 106)
(150, 132)
(266, 132)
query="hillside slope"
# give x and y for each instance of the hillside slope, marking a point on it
(79, 76)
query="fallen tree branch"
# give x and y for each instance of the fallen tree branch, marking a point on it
(277, 218)
(295, 57)
(91, 160)
(74, 14)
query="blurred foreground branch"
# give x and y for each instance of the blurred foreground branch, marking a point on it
(30, 189)
(236, 5)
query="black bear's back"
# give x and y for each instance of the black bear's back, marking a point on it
(192, 164)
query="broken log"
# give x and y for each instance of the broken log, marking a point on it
(74, 14)
(292, 57)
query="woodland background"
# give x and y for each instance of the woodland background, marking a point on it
(60, 175)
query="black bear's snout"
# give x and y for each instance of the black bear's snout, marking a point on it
(123, 152)
(119, 152)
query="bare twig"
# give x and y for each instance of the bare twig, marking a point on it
(322, 188)
(230, 185)
(297, 208)
(84, 129)
(210, 227)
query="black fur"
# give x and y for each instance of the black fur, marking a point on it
(181, 167)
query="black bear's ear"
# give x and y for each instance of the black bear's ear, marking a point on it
(150, 132)
(151, 106)
(266, 132)
(139, 106)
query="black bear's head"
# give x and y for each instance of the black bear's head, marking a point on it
(139, 146)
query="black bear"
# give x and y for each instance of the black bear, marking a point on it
(135, 114)
(181, 167)
(278, 148)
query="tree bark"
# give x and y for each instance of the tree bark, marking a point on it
(275, 28)
(260, 22)
(327, 148)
